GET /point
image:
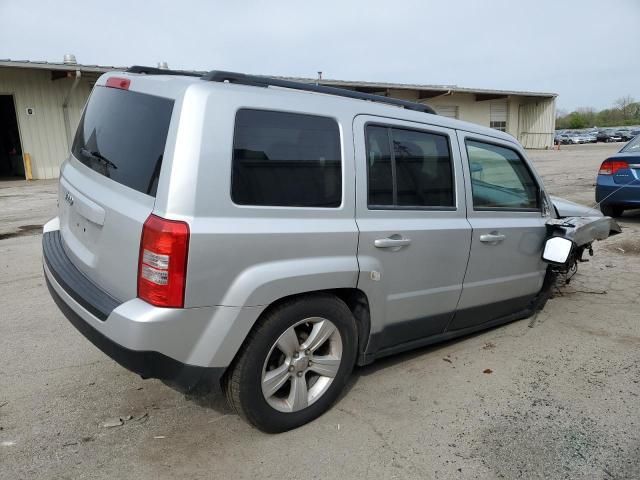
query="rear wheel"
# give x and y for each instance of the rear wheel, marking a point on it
(294, 363)
(612, 210)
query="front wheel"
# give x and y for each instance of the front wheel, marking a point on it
(294, 363)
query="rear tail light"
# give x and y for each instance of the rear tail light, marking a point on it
(162, 265)
(611, 167)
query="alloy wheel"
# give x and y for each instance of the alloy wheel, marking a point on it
(301, 364)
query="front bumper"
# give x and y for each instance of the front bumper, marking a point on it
(123, 331)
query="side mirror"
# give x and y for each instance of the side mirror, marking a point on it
(557, 250)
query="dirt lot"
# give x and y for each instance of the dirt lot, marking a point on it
(562, 400)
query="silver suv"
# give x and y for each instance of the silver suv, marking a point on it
(263, 236)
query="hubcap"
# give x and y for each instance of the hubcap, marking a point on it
(301, 364)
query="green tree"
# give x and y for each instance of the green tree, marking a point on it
(626, 111)
(623, 104)
(577, 120)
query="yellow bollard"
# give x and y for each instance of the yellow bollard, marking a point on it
(27, 166)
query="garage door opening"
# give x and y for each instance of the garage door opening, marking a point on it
(11, 164)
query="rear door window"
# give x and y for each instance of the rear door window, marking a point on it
(409, 169)
(122, 135)
(286, 159)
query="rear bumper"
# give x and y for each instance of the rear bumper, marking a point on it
(147, 364)
(610, 193)
(128, 332)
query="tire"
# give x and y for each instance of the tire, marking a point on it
(261, 354)
(546, 292)
(613, 211)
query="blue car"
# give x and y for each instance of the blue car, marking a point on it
(618, 183)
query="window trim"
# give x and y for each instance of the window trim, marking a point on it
(389, 127)
(288, 207)
(473, 138)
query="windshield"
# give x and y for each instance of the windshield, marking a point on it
(122, 135)
(632, 146)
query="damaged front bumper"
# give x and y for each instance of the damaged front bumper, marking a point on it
(578, 234)
(583, 231)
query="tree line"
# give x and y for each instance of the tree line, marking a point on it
(625, 111)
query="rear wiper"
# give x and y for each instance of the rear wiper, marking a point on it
(98, 156)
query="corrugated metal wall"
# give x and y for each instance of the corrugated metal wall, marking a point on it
(43, 134)
(537, 123)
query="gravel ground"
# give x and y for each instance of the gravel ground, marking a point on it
(561, 401)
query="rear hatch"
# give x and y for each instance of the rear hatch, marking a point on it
(108, 186)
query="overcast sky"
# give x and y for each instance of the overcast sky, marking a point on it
(587, 51)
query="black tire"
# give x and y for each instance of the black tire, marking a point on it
(613, 211)
(243, 386)
(546, 292)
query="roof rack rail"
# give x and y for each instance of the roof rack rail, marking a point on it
(260, 81)
(160, 71)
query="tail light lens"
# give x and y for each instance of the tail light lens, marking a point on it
(118, 82)
(162, 265)
(610, 167)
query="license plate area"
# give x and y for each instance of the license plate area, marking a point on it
(81, 222)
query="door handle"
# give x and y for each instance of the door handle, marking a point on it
(391, 242)
(492, 237)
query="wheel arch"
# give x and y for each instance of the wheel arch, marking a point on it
(355, 299)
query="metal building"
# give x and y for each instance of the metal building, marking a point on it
(528, 116)
(41, 104)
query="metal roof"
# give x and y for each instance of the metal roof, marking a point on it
(434, 90)
(6, 62)
(427, 87)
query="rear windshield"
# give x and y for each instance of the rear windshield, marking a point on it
(122, 135)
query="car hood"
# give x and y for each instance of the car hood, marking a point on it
(565, 208)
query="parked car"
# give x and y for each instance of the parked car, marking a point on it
(592, 137)
(571, 138)
(618, 182)
(563, 139)
(608, 136)
(263, 236)
(625, 135)
(583, 137)
(589, 137)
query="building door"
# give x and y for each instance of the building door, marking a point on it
(11, 164)
(498, 115)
